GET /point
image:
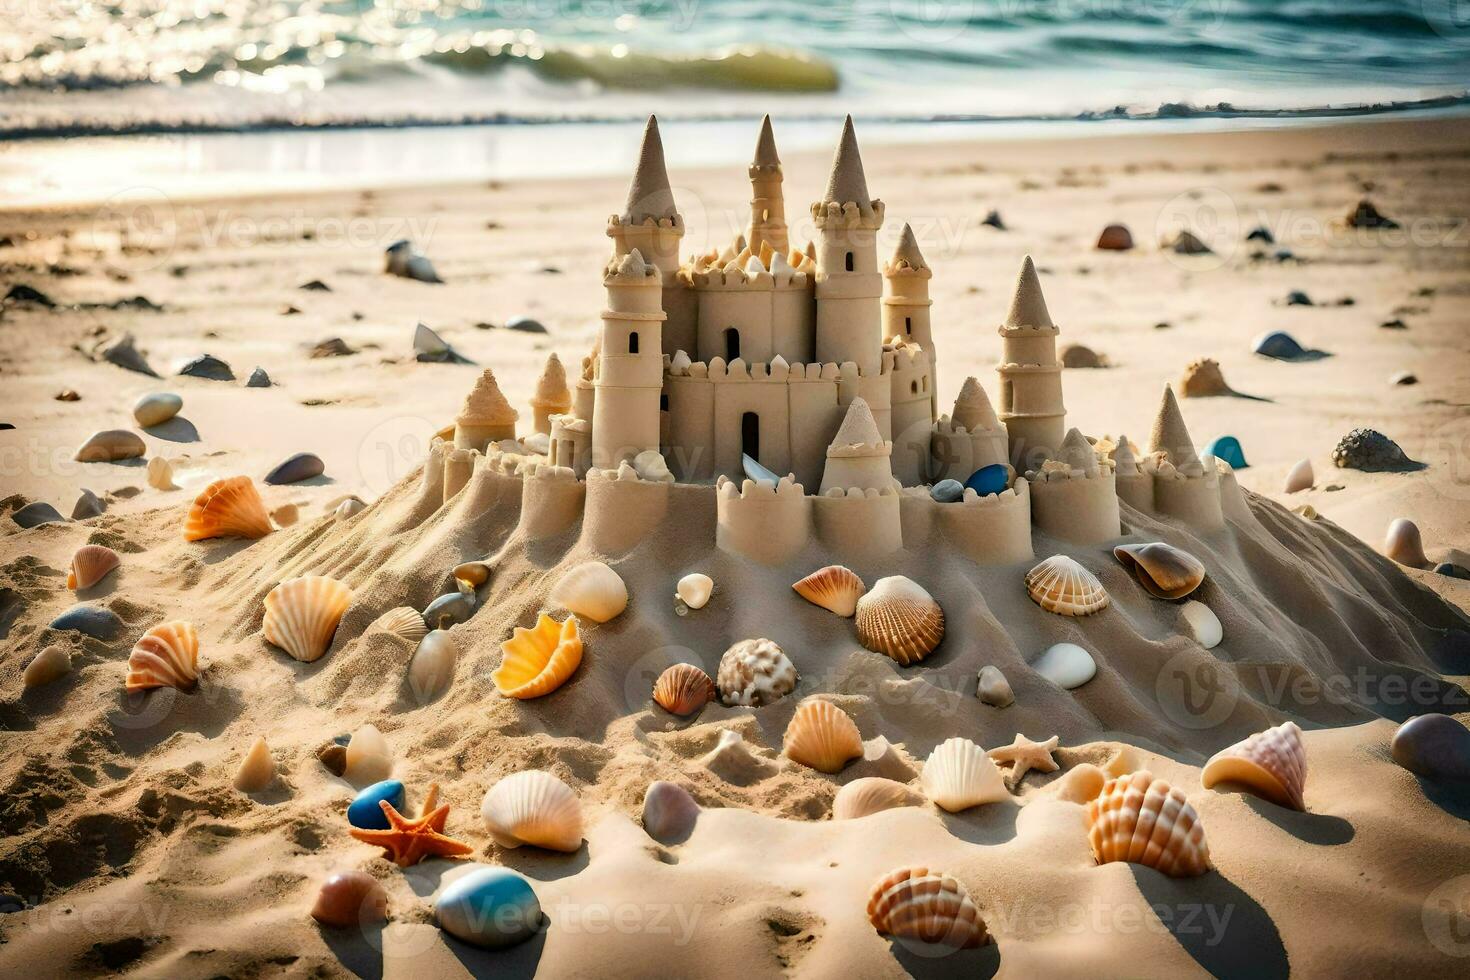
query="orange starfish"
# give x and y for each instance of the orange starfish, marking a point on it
(407, 842)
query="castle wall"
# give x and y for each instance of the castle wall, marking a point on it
(770, 525)
(552, 500)
(1137, 491)
(621, 509)
(860, 524)
(1082, 510)
(794, 321)
(911, 417)
(730, 301)
(955, 453)
(990, 530)
(458, 465)
(874, 387)
(1195, 500)
(849, 324)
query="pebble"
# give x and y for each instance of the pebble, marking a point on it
(994, 220)
(68, 395)
(123, 354)
(48, 665)
(286, 515)
(1199, 621)
(1228, 449)
(1278, 344)
(1115, 238)
(21, 293)
(1261, 233)
(95, 621)
(1080, 356)
(489, 907)
(87, 505)
(259, 379)
(36, 514)
(1185, 243)
(1404, 378)
(365, 814)
(349, 508)
(993, 687)
(1365, 215)
(1394, 324)
(449, 610)
(1452, 570)
(111, 446)
(333, 347)
(948, 491)
(988, 479)
(1403, 543)
(1298, 298)
(1436, 747)
(1300, 477)
(157, 408)
(404, 261)
(669, 812)
(1066, 664)
(209, 367)
(525, 324)
(161, 474)
(1369, 450)
(294, 469)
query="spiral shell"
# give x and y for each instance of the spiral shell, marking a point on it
(835, 588)
(537, 661)
(683, 689)
(822, 736)
(871, 794)
(1165, 571)
(404, 621)
(533, 807)
(900, 619)
(90, 565)
(1062, 586)
(593, 591)
(1143, 820)
(755, 673)
(927, 906)
(166, 656)
(301, 614)
(227, 508)
(1271, 764)
(958, 775)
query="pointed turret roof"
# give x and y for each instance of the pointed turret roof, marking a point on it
(1078, 453)
(1170, 436)
(485, 405)
(858, 428)
(972, 409)
(1124, 462)
(765, 147)
(551, 388)
(1028, 305)
(650, 195)
(907, 254)
(847, 183)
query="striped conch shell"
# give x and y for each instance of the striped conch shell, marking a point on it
(871, 794)
(537, 661)
(166, 656)
(1060, 585)
(1143, 820)
(683, 689)
(958, 775)
(926, 906)
(404, 621)
(301, 614)
(835, 588)
(1165, 571)
(227, 508)
(593, 591)
(533, 807)
(822, 736)
(900, 619)
(90, 565)
(1271, 764)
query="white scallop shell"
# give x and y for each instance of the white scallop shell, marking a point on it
(1061, 585)
(694, 590)
(301, 614)
(593, 591)
(958, 775)
(404, 621)
(533, 807)
(871, 794)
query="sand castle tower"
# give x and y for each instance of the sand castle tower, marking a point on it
(486, 416)
(767, 206)
(849, 285)
(630, 366)
(1074, 496)
(1030, 375)
(858, 457)
(969, 439)
(571, 432)
(906, 302)
(552, 396)
(1185, 486)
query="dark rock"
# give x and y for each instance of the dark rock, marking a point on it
(316, 286)
(87, 505)
(333, 347)
(1365, 215)
(1115, 238)
(525, 325)
(289, 310)
(21, 293)
(125, 355)
(1452, 570)
(1436, 747)
(1371, 451)
(302, 466)
(1298, 298)
(209, 367)
(994, 220)
(259, 379)
(1394, 324)
(8, 902)
(95, 621)
(36, 514)
(1278, 344)
(1261, 233)
(68, 395)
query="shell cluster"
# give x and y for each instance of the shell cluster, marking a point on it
(1143, 820)
(822, 736)
(755, 673)
(537, 661)
(166, 656)
(835, 588)
(228, 508)
(683, 689)
(1271, 764)
(301, 615)
(1061, 585)
(1165, 571)
(926, 906)
(898, 618)
(533, 807)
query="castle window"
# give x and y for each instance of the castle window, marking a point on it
(849, 261)
(663, 403)
(732, 344)
(926, 383)
(750, 435)
(908, 326)
(913, 387)
(633, 342)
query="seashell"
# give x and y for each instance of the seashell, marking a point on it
(157, 408)
(1143, 820)
(450, 609)
(537, 661)
(1270, 764)
(489, 907)
(958, 775)
(1081, 783)
(97, 622)
(227, 508)
(110, 446)
(591, 590)
(683, 689)
(929, 907)
(301, 614)
(755, 673)
(1227, 448)
(295, 468)
(161, 474)
(1404, 545)
(1062, 586)
(90, 565)
(533, 807)
(369, 758)
(470, 575)
(1299, 477)
(50, 664)
(1066, 665)
(822, 736)
(993, 688)
(257, 769)
(403, 621)
(1115, 238)
(365, 813)
(669, 812)
(900, 619)
(431, 670)
(871, 794)
(694, 590)
(1165, 571)
(350, 898)
(1197, 620)
(1434, 746)
(1203, 378)
(835, 588)
(348, 509)
(166, 656)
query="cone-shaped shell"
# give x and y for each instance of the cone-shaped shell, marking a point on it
(257, 769)
(835, 588)
(1271, 764)
(404, 621)
(822, 736)
(898, 618)
(871, 794)
(533, 807)
(926, 906)
(90, 565)
(1060, 585)
(369, 757)
(958, 775)
(593, 591)
(1165, 571)
(537, 661)
(683, 689)
(301, 614)
(1143, 820)
(227, 508)
(350, 898)
(166, 656)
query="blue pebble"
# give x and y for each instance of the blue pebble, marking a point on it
(755, 471)
(988, 479)
(489, 907)
(947, 491)
(95, 621)
(365, 814)
(1278, 344)
(1228, 449)
(449, 610)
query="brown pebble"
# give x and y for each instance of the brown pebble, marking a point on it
(334, 757)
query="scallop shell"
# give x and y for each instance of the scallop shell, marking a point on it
(90, 565)
(871, 794)
(900, 619)
(755, 673)
(694, 590)
(533, 807)
(301, 614)
(683, 689)
(1143, 820)
(822, 736)
(591, 590)
(958, 775)
(166, 656)
(926, 906)
(537, 661)
(1271, 764)
(227, 508)
(1165, 571)
(1062, 586)
(835, 588)
(405, 621)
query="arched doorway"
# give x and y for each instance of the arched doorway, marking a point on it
(732, 344)
(750, 435)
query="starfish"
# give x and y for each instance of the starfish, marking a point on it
(1025, 755)
(407, 842)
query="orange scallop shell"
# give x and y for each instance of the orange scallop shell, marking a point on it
(927, 906)
(683, 689)
(227, 508)
(538, 661)
(1271, 764)
(1143, 820)
(90, 565)
(835, 588)
(166, 656)
(822, 736)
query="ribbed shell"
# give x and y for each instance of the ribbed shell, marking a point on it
(535, 662)
(835, 588)
(90, 565)
(683, 689)
(227, 508)
(1060, 585)
(404, 621)
(958, 775)
(166, 656)
(593, 591)
(1143, 820)
(871, 794)
(755, 673)
(301, 614)
(926, 906)
(822, 736)
(1271, 764)
(1165, 571)
(900, 619)
(533, 807)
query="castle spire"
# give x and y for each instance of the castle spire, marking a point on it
(847, 183)
(1171, 437)
(859, 429)
(972, 409)
(858, 457)
(552, 396)
(765, 146)
(650, 195)
(1028, 305)
(767, 226)
(486, 415)
(907, 254)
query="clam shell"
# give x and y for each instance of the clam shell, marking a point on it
(1299, 477)
(871, 794)
(822, 736)
(535, 662)
(166, 656)
(900, 619)
(835, 588)
(1143, 820)
(257, 769)
(161, 474)
(369, 757)
(958, 775)
(49, 665)
(1404, 545)
(1271, 764)
(1060, 585)
(533, 807)
(431, 670)
(350, 898)
(90, 565)
(755, 673)
(683, 689)
(591, 590)
(404, 621)
(1081, 783)
(926, 906)
(694, 590)
(1165, 571)
(227, 508)
(301, 614)
(470, 575)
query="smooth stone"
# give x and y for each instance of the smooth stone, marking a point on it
(993, 688)
(110, 446)
(1300, 477)
(489, 907)
(1403, 543)
(988, 479)
(1298, 298)
(431, 670)
(1228, 449)
(755, 471)
(525, 324)
(470, 575)
(1066, 665)
(1452, 570)
(294, 469)
(1371, 451)
(407, 262)
(349, 508)
(87, 505)
(1404, 378)
(669, 812)
(1115, 238)
(208, 367)
(947, 491)
(157, 408)
(36, 514)
(48, 665)
(95, 621)
(1278, 344)
(259, 379)
(1436, 747)
(1199, 621)
(365, 814)
(286, 515)
(449, 609)
(351, 899)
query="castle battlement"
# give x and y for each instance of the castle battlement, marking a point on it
(830, 214)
